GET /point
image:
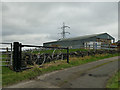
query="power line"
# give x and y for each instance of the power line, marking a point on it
(63, 33)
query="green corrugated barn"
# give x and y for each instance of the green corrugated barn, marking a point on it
(82, 41)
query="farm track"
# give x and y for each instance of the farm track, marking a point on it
(90, 75)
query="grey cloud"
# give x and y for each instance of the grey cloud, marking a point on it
(46, 18)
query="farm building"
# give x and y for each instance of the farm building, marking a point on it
(94, 40)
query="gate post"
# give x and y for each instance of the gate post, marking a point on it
(16, 57)
(11, 56)
(67, 55)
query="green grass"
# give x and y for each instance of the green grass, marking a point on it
(10, 77)
(57, 51)
(113, 81)
(3, 56)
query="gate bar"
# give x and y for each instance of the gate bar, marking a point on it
(42, 46)
(5, 43)
(5, 48)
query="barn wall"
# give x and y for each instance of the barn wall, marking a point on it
(71, 44)
(78, 43)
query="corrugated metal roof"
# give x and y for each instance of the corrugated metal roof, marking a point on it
(81, 37)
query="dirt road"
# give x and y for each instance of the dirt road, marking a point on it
(90, 75)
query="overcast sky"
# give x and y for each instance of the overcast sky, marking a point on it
(39, 22)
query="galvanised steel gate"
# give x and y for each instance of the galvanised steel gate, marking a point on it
(6, 54)
(24, 58)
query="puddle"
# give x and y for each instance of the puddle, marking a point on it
(57, 79)
(98, 75)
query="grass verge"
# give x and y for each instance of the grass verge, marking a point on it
(10, 77)
(114, 81)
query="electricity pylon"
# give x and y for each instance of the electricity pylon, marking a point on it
(63, 32)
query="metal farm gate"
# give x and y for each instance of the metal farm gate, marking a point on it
(6, 54)
(36, 55)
